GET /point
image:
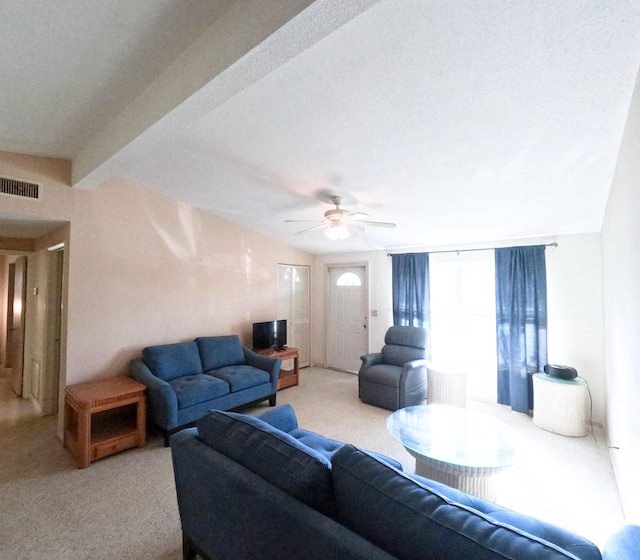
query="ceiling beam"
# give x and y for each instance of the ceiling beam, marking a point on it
(245, 44)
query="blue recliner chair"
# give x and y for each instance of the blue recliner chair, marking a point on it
(396, 377)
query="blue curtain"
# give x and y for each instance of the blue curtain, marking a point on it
(410, 285)
(521, 322)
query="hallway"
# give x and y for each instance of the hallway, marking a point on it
(13, 410)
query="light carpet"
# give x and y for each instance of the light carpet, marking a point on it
(124, 506)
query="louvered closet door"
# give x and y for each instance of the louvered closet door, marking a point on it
(293, 305)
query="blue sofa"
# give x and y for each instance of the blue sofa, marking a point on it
(257, 488)
(186, 379)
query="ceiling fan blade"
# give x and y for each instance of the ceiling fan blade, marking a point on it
(301, 221)
(314, 228)
(358, 215)
(340, 223)
(367, 223)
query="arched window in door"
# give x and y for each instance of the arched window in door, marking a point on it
(348, 279)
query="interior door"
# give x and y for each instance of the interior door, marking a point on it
(293, 305)
(15, 321)
(347, 335)
(51, 384)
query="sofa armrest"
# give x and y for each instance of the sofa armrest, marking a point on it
(162, 400)
(624, 544)
(265, 363)
(369, 360)
(282, 417)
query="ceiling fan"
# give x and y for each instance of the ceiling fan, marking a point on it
(340, 224)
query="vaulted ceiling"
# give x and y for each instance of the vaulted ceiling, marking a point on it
(459, 121)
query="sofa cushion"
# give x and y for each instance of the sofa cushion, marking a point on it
(329, 447)
(272, 454)
(195, 389)
(241, 376)
(220, 351)
(168, 361)
(325, 446)
(411, 521)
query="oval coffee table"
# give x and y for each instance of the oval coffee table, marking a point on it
(458, 447)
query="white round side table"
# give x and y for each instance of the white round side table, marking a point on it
(560, 405)
(446, 384)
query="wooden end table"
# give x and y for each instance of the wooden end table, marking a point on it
(104, 417)
(288, 377)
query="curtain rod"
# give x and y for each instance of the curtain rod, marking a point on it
(554, 244)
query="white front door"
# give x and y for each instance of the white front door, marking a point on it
(347, 336)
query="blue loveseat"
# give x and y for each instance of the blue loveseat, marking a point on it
(186, 379)
(258, 488)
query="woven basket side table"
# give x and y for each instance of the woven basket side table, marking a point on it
(446, 385)
(560, 405)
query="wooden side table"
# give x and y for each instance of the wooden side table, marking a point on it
(104, 417)
(288, 377)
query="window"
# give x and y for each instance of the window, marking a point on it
(463, 310)
(348, 279)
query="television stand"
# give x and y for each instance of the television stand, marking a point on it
(288, 377)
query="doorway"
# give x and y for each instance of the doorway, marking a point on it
(16, 300)
(41, 245)
(33, 314)
(347, 317)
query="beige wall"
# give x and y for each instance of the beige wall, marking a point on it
(621, 260)
(575, 311)
(145, 269)
(140, 269)
(54, 176)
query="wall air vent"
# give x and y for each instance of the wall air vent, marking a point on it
(15, 187)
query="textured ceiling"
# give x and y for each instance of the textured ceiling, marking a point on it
(459, 121)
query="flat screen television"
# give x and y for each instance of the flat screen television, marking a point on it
(270, 334)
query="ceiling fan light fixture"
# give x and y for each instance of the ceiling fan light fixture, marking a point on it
(338, 232)
(339, 224)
